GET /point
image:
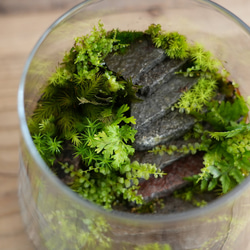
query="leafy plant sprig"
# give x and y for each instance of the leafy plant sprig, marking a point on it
(227, 160)
(198, 97)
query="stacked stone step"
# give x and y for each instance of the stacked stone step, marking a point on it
(160, 89)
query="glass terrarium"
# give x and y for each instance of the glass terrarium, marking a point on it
(55, 216)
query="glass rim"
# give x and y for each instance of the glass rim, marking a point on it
(118, 215)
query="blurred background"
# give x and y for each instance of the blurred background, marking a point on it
(17, 6)
(239, 7)
(22, 22)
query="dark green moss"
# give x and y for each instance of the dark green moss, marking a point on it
(126, 37)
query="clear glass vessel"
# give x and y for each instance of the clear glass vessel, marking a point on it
(55, 217)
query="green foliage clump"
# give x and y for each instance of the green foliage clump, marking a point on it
(85, 109)
(105, 151)
(126, 37)
(188, 195)
(226, 145)
(227, 160)
(210, 74)
(203, 63)
(198, 97)
(174, 44)
(200, 64)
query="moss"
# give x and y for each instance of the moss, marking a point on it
(126, 37)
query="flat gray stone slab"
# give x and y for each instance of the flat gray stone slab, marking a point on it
(159, 75)
(139, 58)
(161, 87)
(159, 103)
(160, 131)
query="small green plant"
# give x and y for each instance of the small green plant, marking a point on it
(126, 37)
(199, 96)
(174, 44)
(227, 158)
(188, 194)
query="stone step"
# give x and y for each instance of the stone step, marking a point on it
(161, 87)
(171, 126)
(159, 75)
(159, 103)
(156, 123)
(140, 57)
